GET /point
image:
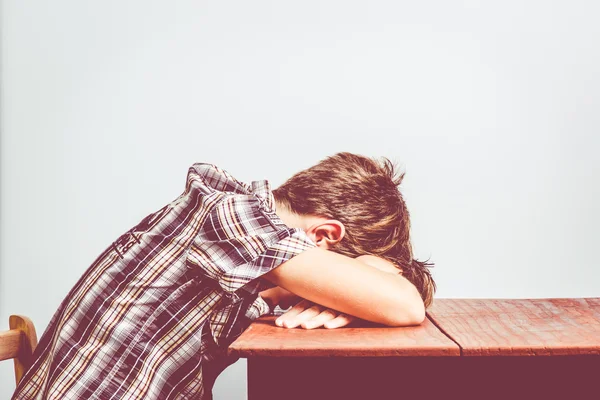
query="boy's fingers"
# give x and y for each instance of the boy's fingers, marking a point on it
(293, 312)
(320, 319)
(303, 316)
(339, 321)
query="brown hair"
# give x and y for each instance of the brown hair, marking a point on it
(363, 194)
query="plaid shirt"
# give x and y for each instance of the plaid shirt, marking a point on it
(152, 317)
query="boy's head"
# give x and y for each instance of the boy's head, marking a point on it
(353, 206)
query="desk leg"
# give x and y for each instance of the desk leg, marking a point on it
(383, 378)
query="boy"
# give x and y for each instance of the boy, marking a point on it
(152, 317)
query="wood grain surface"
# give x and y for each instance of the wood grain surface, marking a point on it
(520, 327)
(264, 338)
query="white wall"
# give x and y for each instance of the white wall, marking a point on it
(492, 107)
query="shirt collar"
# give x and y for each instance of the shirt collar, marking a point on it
(262, 189)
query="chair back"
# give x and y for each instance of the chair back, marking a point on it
(18, 343)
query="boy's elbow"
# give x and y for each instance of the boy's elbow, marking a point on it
(408, 314)
(417, 313)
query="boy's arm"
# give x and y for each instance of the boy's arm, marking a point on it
(350, 286)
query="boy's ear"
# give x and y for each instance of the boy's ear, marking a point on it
(327, 233)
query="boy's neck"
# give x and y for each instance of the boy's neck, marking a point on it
(293, 220)
(289, 218)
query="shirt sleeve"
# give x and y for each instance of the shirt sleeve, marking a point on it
(227, 323)
(241, 240)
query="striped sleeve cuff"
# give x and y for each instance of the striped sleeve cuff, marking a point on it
(292, 241)
(258, 308)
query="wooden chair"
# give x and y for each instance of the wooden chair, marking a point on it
(19, 343)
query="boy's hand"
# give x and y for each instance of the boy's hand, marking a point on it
(310, 315)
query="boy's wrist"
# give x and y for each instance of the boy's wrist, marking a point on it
(278, 296)
(379, 263)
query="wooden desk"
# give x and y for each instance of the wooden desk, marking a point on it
(466, 348)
